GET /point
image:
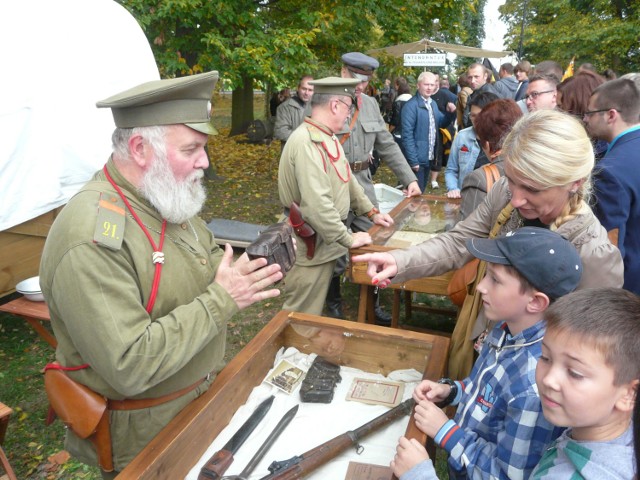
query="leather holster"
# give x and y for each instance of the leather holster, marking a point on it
(83, 411)
(302, 229)
(275, 243)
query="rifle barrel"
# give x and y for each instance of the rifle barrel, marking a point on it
(330, 449)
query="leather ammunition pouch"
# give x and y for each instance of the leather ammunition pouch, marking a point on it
(303, 229)
(360, 165)
(320, 382)
(83, 411)
(275, 243)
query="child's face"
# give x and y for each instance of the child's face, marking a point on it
(576, 388)
(501, 295)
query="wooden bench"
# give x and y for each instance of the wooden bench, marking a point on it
(35, 313)
(5, 412)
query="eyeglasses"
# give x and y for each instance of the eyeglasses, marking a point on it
(352, 107)
(534, 95)
(591, 112)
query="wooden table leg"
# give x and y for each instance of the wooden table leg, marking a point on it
(371, 309)
(366, 313)
(362, 304)
(395, 311)
(5, 413)
(42, 331)
(408, 305)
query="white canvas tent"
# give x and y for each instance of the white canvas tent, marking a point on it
(422, 45)
(59, 58)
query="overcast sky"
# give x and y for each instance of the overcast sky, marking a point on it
(494, 28)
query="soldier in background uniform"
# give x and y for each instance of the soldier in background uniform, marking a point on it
(315, 174)
(149, 339)
(364, 132)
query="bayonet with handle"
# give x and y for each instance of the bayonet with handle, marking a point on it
(220, 461)
(253, 463)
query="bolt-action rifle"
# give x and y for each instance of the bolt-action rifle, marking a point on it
(301, 465)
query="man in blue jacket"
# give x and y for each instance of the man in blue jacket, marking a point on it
(613, 115)
(421, 123)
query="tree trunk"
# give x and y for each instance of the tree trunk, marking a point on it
(242, 107)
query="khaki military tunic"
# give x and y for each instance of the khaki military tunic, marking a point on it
(326, 190)
(97, 274)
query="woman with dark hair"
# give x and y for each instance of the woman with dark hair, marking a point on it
(573, 97)
(574, 92)
(403, 94)
(491, 125)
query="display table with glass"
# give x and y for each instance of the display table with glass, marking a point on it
(416, 220)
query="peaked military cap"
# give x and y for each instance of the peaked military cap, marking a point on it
(360, 65)
(546, 259)
(185, 100)
(335, 86)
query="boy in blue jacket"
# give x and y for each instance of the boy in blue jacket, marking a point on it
(498, 430)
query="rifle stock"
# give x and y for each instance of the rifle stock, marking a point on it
(301, 465)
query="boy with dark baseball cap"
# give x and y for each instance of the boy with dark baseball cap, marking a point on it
(499, 430)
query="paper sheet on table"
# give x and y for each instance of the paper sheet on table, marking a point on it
(314, 424)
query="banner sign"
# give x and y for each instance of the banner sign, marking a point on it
(424, 59)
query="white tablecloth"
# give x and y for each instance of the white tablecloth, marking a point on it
(314, 424)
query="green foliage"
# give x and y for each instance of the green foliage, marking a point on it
(30, 444)
(601, 32)
(265, 43)
(276, 41)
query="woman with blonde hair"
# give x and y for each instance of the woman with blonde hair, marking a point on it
(548, 160)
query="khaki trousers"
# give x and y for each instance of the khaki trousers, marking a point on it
(306, 287)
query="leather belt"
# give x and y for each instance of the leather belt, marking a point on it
(359, 166)
(140, 403)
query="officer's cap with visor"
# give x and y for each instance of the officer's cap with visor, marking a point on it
(360, 66)
(184, 100)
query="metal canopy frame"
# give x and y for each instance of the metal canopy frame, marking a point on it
(421, 45)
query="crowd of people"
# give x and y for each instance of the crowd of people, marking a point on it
(544, 373)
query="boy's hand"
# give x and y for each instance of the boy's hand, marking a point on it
(429, 417)
(432, 391)
(409, 453)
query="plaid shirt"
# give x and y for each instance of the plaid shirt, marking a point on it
(499, 430)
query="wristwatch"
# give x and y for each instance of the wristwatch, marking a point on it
(452, 394)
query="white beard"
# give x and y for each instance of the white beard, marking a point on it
(175, 200)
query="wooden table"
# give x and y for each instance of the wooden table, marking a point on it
(416, 219)
(35, 313)
(179, 446)
(5, 412)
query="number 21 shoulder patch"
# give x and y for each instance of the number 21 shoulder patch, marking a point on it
(110, 221)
